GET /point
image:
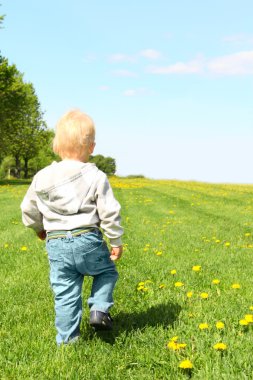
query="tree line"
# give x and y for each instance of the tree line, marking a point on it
(25, 142)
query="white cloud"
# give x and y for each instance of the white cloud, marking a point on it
(104, 88)
(147, 53)
(125, 73)
(119, 57)
(130, 92)
(240, 63)
(239, 39)
(150, 54)
(135, 92)
(234, 64)
(192, 67)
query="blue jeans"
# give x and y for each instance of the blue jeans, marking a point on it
(70, 259)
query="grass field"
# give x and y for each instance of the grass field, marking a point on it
(185, 286)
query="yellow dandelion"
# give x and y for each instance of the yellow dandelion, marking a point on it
(6, 245)
(185, 364)
(220, 325)
(173, 345)
(220, 346)
(141, 286)
(174, 339)
(196, 268)
(178, 284)
(217, 241)
(236, 286)
(173, 271)
(249, 318)
(189, 294)
(247, 234)
(251, 308)
(204, 295)
(159, 253)
(215, 281)
(23, 248)
(227, 244)
(182, 345)
(243, 322)
(203, 326)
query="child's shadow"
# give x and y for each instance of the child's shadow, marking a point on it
(159, 315)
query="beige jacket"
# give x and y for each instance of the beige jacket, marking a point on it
(71, 194)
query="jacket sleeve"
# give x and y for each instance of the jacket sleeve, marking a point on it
(31, 216)
(108, 209)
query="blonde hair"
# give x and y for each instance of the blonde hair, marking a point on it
(75, 133)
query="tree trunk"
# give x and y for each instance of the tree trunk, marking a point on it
(26, 167)
(18, 167)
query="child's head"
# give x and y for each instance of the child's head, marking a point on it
(75, 136)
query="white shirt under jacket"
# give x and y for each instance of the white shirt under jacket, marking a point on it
(71, 194)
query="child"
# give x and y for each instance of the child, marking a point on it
(67, 203)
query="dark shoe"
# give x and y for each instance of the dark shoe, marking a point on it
(100, 320)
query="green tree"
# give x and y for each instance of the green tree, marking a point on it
(21, 120)
(12, 96)
(33, 127)
(106, 164)
(45, 155)
(6, 167)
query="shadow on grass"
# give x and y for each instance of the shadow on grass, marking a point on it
(161, 315)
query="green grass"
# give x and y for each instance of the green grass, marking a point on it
(168, 225)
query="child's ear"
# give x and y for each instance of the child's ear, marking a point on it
(92, 147)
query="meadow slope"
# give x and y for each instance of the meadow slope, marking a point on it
(183, 299)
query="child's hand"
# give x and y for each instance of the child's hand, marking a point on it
(42, 235)
(116, 253)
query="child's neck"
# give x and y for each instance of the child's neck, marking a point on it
(80, 159)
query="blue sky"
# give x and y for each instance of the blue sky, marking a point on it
(169, 84)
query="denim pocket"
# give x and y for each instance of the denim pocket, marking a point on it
(55, 253)
(98, 260)
(91, 241)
